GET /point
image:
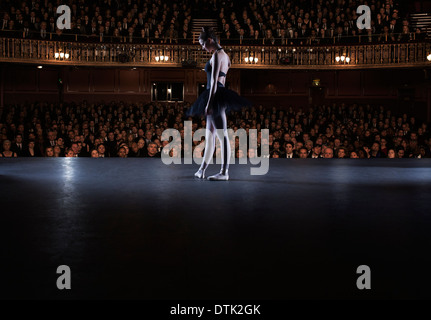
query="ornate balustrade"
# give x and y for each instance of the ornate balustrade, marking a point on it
(242, 56)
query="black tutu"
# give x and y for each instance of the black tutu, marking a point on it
(224, 98)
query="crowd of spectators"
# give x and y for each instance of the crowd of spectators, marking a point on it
(259, 22)
(135, 130)
(306, 22)
(152, 21)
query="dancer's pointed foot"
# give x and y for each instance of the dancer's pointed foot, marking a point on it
(219, 177)
(200, 174)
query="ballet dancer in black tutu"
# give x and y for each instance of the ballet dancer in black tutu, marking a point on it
(214, 103)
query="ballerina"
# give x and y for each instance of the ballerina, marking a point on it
(214, 103)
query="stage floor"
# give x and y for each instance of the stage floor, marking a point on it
(136, 228)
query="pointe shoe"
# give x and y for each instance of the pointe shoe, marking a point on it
(219, 177)
(200, 174)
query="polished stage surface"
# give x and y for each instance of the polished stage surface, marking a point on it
(139, 229)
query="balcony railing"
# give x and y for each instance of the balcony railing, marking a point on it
(242, 56)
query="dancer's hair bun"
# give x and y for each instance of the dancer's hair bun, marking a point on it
(208, 32)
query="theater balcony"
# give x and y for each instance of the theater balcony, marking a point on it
(334, 56)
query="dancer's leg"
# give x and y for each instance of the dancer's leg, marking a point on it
(209, 147)
(220, 123)
(209, 142)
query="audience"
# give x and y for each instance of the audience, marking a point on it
(290, 22)
(119, 129)
(99, 21)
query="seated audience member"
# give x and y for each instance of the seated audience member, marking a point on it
(328, 153)
(122, 152)
(341, 153)
(303, 153)
(94, 153)
(49, 152)
(101, 150)
(58, 152)
(401, 152)
(70, 153)
(31, 150)
(316, 152)
(275, 154)
(375, 150)
(354, 155)
(288, 146)
(391, 153)
(7, 152)
(152, 150)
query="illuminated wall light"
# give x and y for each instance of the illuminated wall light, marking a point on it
(343, 58)
(39, 67)
(161, 58)
(429, 57)
(337, 59)
(57, 55)
(66, 55)
(251, 59)
(347, 59)
(61, 55)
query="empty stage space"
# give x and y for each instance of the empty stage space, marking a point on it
(136, 228)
